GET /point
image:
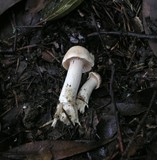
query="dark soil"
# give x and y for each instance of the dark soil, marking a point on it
(124, 106)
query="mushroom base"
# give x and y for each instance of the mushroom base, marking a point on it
(67, 113)
(81, 105)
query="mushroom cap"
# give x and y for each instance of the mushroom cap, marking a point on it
(80, 53)
(97, 77)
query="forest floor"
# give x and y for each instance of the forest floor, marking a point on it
(123, 110)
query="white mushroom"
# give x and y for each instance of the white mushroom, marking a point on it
(93, 82)
(77, 60)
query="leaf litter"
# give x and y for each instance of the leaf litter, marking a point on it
(31, 78)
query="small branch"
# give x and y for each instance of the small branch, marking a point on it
(27, 47)
(128, 34)
(16, 99)
(98, 32)
(68, 118)
(111, 85)
(7, 51)
(36, 26)
(139, 126)
(115, 110)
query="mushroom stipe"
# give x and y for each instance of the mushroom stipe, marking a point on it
(77, 60)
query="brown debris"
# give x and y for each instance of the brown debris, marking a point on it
(31, 78)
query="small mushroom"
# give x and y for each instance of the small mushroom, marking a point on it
(93, 82)
(77, 60)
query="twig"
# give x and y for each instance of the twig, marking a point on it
(97, 29)
(16, 99)
(30, 83)
(27, 47)
(100, 37)
(68, 118)
(15, 40)
(111, 85)
(6, 51)
(36, 26)
(128, 34)
(13, 23)
(115, 110)
(51, 54)
(139, 126)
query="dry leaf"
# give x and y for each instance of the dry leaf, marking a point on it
(6, 4)
(46, 150)
(150, 21)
